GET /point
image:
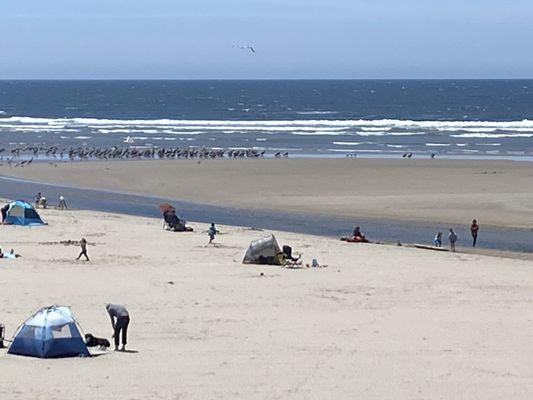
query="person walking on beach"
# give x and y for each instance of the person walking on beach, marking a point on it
(83, 252)
(120, 319)
(473, 230)
(437, 241)
(212, 232)
(452, 237)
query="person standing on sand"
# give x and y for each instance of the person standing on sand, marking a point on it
(62, 205)
(473, 230)
(38, 198)
(83, 245)
(120, 319)
(452, 237)
(212, 232)
(437, 241)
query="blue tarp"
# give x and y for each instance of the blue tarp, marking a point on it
(51, 332)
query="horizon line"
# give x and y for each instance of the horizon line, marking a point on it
(261, 79)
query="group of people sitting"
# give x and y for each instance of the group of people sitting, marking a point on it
(11, 254)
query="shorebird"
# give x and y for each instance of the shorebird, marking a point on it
(248, 47)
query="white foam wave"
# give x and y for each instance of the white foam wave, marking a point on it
(437, 144)
(371, 129)
(372, 133)
(387, 133)
(317, 133)
(312, 127)
(367, 125)
(316, 112)
(348, 143)
(493, 135)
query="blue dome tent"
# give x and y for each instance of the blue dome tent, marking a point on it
(51, 332)
(22, 213)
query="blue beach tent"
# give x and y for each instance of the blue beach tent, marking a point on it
(52, 332)
(22, 213)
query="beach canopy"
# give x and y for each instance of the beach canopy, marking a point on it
(21, 212)
(165, 208)
(264, 251)
(51, 332)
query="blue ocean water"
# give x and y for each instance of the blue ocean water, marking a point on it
(463, 118)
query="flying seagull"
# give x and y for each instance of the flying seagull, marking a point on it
(249, 47)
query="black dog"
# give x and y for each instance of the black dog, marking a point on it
(92, 341)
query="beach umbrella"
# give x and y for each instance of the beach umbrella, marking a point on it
(166, 207)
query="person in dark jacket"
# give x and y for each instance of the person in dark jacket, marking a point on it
(473, 230)
(83, 252)
(120, 319)
(4, 212)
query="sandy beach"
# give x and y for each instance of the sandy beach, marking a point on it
(378, 322)
(498, 193)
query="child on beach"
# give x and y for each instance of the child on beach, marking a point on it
(212, 232)
(437, 241)
(452, 237)
(83, 245)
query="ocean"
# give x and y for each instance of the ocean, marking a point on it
(325, 118)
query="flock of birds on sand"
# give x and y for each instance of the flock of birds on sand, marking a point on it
(404, 155)
(24, 155)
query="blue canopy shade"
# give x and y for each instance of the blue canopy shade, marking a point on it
(51, 332)
(22, 213)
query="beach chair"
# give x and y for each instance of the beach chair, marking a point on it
(167, 221)
(289, 259)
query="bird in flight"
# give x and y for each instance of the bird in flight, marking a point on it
(249, 47)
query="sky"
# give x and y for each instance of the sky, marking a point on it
(294, 39)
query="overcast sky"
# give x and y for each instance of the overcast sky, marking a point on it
(193, 39)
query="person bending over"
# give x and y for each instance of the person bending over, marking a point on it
(120, 319)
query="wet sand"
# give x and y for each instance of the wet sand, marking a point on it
(378, 322)
(498, 193)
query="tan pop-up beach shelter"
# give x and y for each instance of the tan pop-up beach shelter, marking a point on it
(264, 251)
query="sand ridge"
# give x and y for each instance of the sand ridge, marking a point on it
(498, 193)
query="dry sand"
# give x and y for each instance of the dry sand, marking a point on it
(378, 322)
(498, 193)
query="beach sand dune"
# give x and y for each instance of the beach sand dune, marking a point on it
(378, 322)
(498, 193)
